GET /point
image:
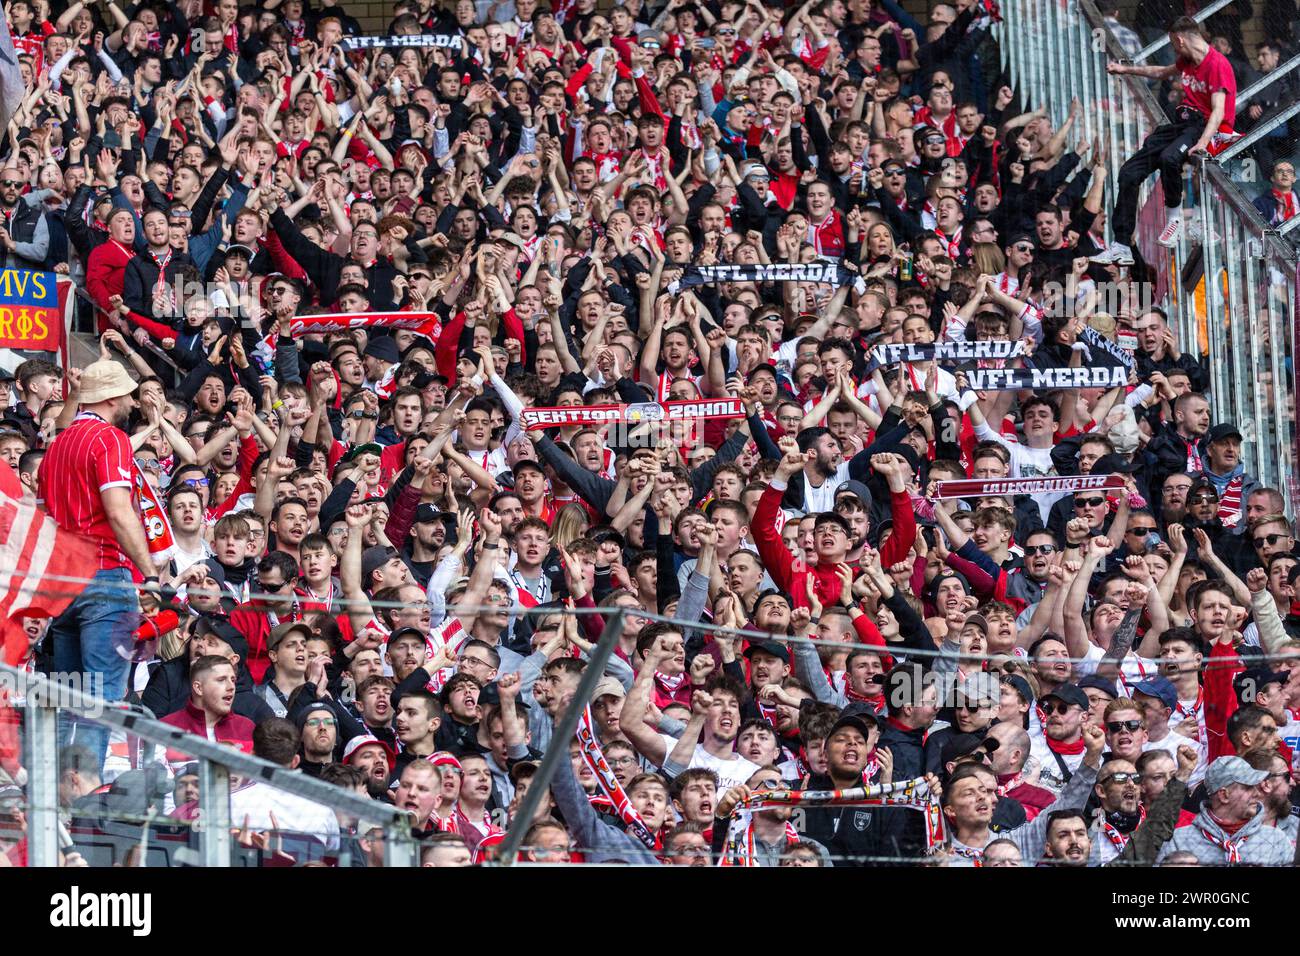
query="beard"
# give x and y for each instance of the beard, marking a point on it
(121, 416)
(825, 468)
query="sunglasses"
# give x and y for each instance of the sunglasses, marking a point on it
(1203, 500)
(194, 482)
(1089, 502)
(1057, 707)
(1023, 247)
(1146, 530)
(1033, 549)
(10, 183)
(1268, 539)
(895, 172)
(1115, 726)
(1124, 777)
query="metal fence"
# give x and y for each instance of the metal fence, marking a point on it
(1229, 286)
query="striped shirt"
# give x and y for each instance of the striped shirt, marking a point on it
(88, 458)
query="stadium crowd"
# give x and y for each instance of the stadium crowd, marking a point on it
(333, 274)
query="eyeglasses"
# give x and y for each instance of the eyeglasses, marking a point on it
(1268, 539)
(1089, 502)
(1033, 549)
(620, 761)
(1057, 707)
(322, 722)
(1115, 726)
(1123, 777)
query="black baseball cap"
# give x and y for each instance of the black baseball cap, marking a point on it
(1069, 694)
(773, 648)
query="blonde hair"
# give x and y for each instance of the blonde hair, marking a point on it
(569, 525)
(988, 258)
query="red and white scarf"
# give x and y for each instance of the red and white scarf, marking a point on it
(594, 758)
(1230, 845)
(741, 849)
(914, 794)
(1230, 502)
(1120, 840)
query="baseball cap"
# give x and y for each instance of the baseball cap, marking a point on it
(1226, 771)
(364, 740)
(1020, 686)
(356, 451)
(1159, 687)
(774, 648)
(856, 489)
(527, 464)
(608, 687)
(281, 631)
(1107, 687)
(1114, 464)
(1223, 430)
(426, 513)
(978, 687)
(857, 721)
(1070, 694)
(1251, 681)
(372, 559)
(963, 745)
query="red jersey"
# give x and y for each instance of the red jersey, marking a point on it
(1202, 81)
(85, 460)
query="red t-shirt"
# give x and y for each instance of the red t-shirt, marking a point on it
(1202, 81)
(86, 459)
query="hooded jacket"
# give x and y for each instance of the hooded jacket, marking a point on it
(1257, 843)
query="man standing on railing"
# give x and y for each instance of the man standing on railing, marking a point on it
(88, 482)
(1202, 124)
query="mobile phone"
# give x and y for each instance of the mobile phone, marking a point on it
(707, 43)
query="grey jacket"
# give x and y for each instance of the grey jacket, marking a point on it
(1032, 837)
(600, 842)
(1257, 843)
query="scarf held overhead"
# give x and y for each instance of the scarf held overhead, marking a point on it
(636, 414)
(830, 273)
(912, 794)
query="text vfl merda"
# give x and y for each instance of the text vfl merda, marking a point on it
(78, 910)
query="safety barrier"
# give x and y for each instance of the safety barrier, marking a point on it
(1229, 286)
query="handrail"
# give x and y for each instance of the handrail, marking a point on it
(1258, 133)
(1266, 80)
(1219, 289)
(1200, 17)
(222, 760)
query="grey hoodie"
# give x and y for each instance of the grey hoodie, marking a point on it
(600, 842)
(1257, 843)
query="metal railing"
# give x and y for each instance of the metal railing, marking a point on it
(43, 702)
(1229, 286)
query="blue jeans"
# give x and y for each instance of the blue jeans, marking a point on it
(94, 637)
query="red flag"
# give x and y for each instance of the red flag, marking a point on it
(37, 557)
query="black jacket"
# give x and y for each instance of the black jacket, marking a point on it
(168, 690)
